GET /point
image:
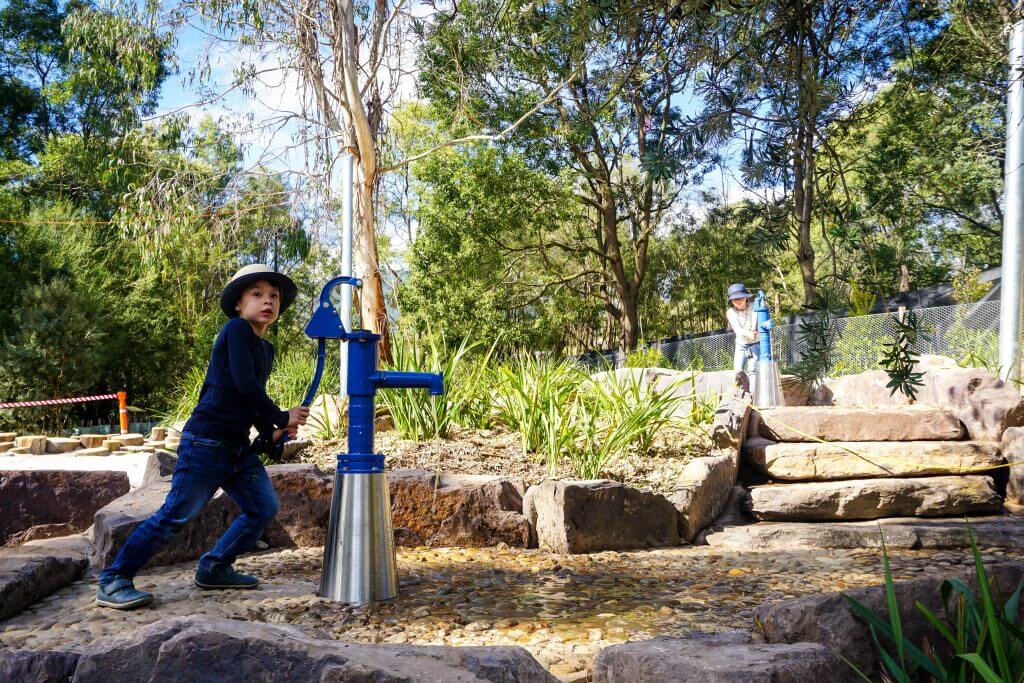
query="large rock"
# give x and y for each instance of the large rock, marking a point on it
(210, 649)
(735, 514)
(865, 459)
(59, 444)
(827, 619)
(62, 501)
(874, 498)
(1012, 448)
(702, 492)
(730, 423)
(985, 405)
(590, 516)
(839, 423)
(899, 532)
(457, 509)
(717, 658)
(37, 666)
(36, 444)
(303, 490)
(31, 575)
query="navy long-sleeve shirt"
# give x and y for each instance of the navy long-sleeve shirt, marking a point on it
(233, 397)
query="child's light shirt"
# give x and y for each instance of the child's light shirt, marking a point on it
(743, 323)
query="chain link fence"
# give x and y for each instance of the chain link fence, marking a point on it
(968, 333)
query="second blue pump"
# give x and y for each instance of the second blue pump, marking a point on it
(364, 379)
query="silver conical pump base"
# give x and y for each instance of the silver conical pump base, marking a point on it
(768, 385)
(359, 555)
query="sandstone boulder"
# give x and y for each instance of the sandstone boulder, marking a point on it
(984, 404)
(57, 444)
(702, 492)
(212, 649)
(590, 516)
(130, 439)
(826, 619)
(36, 445)
(8, 437)
(717, 658)
(37, 666)
(303, 491)
(457, 509)
(27, 576)
(861, 460)
(92, 440)
(736, 513)
(158, 434)
(61, 500)
(845, 423)
(1013, 451)
(874, 498)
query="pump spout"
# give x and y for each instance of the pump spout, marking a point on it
(387, 379)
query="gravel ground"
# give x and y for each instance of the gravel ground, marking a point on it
(562, 608)
(472, 451)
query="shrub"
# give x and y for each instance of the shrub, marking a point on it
(466, 399)
(647, 357)
(984, 632)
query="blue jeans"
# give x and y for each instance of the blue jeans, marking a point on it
(204, 465)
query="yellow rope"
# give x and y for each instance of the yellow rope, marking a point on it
(861, 455)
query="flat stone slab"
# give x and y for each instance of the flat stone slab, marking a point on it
(594, 515)
(32, 574)
(141, 468)
(869, 459)
(213, 649)
(873, 498)
(727, 657)
(839, 423)
(904, 533)
(827, 619)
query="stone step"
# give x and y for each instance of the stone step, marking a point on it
(1002, 531)
(832, 461)
(832, 423)
(874, 498)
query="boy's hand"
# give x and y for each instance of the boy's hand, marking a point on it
(292, 433)
(297, 416)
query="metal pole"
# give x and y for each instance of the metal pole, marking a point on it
(1010, 313)
(346, 263)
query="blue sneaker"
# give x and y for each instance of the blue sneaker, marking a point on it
(121, 594)
(224, 578)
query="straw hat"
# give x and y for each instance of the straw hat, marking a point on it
(253, 273)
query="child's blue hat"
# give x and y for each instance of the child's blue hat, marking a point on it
(739, 291)
(253, 273)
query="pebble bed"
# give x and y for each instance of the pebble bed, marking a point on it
(562, 608)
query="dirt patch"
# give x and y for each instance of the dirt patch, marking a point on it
(499, 452)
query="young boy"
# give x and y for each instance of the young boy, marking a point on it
(215, 451)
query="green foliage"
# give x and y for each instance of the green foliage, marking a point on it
(58, 349)
(647, 357)
(535, 398)
(613, 416)
(899, 357)
(466, 400)
(968, 286)
(818, 335)
(983, 628)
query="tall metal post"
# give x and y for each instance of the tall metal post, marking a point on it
(346, 262)
(1010, 312)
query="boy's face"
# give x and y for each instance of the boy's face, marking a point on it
(740, 304)
(260, 303)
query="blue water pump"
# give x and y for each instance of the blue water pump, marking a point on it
(767, 382)
(359, 555)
